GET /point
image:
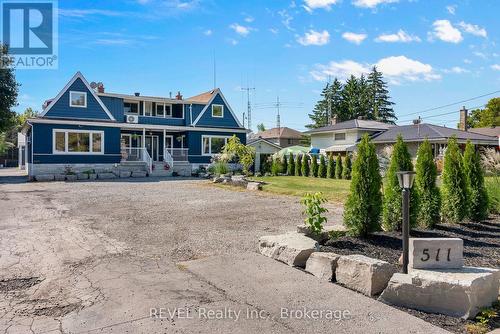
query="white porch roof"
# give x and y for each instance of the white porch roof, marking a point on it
(341, 148)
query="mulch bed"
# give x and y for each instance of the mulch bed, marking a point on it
(481, 249)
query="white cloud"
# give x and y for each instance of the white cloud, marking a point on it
(274, 31)
(208, 32)
(89, 12)
(473, 29)
(451, 9)
(314, 38)
(241, 30)
(286, 19)
(353, 37)
(400, 36)
(314, 4)
(456, 70)
(249, 19)
(467, 61)
(480, 54)
(232, 41)
(371, 3)
(396, 69)
(445, 31)
(495, 67)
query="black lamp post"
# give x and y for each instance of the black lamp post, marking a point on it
(406, 179)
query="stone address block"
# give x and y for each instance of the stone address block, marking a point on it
(436, 253)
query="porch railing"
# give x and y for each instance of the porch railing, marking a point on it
(137, 154)
(167, 158)
(177, 154)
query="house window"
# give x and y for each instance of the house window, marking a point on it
(160, 111)
(213, 144)
(168, 110)
(340, 136)
(131, 108)
(78, 99)
(78, 142)
(148, 108)
(217, 110)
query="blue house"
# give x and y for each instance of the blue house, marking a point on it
(84, 128)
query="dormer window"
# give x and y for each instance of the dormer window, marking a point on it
(217, 110)
(78, 99)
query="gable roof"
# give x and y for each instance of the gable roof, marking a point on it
(213, 94)
(418, 132)
(283, 132)
(203, 98)
(362, 124)
(259, 139)
(77, 76)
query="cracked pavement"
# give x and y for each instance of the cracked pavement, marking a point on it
(95, 257)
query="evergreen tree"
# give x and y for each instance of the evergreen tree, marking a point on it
(346, 172)
(330, 170)
(350, 98)
(338, 167)
(477, 195)
(392, 215)
(334, 101)
(291, 166)
(314, 166)
(454, 188)
(320, 111)
(284, 164)
(305, 165)
(364, 202)
(329, 105)
(322, 167)
(363, 98)
(298, 165)
(380, 104)
(425, 186)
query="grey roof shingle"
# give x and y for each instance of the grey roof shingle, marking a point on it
(353, 124)
(418, 132)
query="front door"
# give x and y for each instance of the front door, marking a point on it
(152, 147)
(169, 143)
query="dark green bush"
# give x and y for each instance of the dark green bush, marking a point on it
(346, 172)
(338, 167)
(429, 199)
(474, 176)
(284, 164)
(276, 167)
(322, 167)
(330, 170)
(298, 165)
(291, 166)
(314, 166)
(305, 165)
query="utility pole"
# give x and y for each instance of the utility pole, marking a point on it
(249, 107)
(278, 104)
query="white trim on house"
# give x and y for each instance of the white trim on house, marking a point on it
(78, 75)
(66, 148)
(226, 138)
(217, 91)
(71, 92)
(256, 141)
(222, 110)
(133, 126)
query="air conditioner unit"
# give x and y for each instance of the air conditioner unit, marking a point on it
(132, 119)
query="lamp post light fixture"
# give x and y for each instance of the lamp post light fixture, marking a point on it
(405, 179)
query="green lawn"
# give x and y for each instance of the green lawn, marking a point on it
(334, 190)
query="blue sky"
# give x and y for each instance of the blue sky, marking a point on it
(432, 52)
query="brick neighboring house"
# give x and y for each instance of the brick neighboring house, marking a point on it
(283, 137)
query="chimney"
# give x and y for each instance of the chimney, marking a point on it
(333, 121)
(178, 96)
(170, 94)
(100, 88)
(137, 94)
(463, 119)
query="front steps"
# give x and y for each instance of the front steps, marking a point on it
(182, 168)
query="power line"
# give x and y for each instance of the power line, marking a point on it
(446, 113)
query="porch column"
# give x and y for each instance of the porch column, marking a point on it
(143, 137)
(164, 135)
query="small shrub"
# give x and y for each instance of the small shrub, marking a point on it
(276, 167)
(346, 172)
(291, 166)
(322, 167)
(425, 185)
(477, 195)
(220, 168)
(298, 165)
(330, 170)
(314, 166)
(314, 212)
(454, 188)
(305, 165)
(338, 167)
(284, 164)
(486, 314)
(493, 189)
(476, 329)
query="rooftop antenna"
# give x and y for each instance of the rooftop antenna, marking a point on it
(249, 107)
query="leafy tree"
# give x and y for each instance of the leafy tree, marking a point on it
(477, 195)
(261, 127)
(314, 166)
(330, 170)
(454, 188)
(298, 165)
(380, 104)
(284, 164)
(488, 117)
(429, 199)
(346, 172)
(338, 167)
(364, 202)
(305, 165)
(28, 113)
(322, 167)
(291, 166)
(4, 144)
(392, 210)
(235, 149)
(8, 91)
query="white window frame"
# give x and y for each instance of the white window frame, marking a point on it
(218, 105)
(226, 138)
(339, 133)
(77, 92)
(91, 144)
(138, 108)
